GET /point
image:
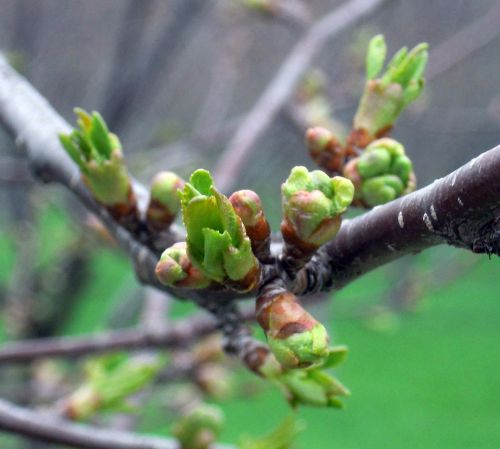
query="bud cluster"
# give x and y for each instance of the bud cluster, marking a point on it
(313, 386)
(382, 173)
(98, 154)
(217, 245)
(312, 207)
(110, 380)
(386, 95)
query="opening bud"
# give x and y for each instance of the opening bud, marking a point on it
(164, 203)
(176, 270)
(199, 428)
(217, 243)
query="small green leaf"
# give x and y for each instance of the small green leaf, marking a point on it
(202, 181)
(216, 243)
(99, 134)
(336, 356)
(375, 56)
(72, 150)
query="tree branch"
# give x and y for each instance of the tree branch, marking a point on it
(36, 425)
(275, 96)
(461, 210)
(180, 334)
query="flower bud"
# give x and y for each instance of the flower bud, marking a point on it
(313, 387)
(381, 189)
(248, 207)
(110, 380)
(176, 270)
(199, 428)
(384, 98)
(164, 201)
(217, 243)
(325, 149)
(294, 336)
(382, 173)
(98, 154)
(312, 205)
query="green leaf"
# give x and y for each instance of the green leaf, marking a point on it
(336, 356)
(201, 212)
(375, 56)
(72, 150)
(99, 134)
(216, 243)
(239, 261)
(202, 181)
(230, 220)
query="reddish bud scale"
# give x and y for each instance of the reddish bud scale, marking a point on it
(296, 252)
(280, 315)
(248, 283)
(351, 172)
(256, 358)
(359, 139)
(126, 214)
(330, 156)
(256, 225)
(158, 217)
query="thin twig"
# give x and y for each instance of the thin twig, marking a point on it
(465, 42)
(178, 335)
(275, 96)
(31, 424)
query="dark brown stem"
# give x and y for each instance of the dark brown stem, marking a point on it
(461, 210)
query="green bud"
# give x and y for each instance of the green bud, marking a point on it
(373, 163)
(217, 243)
(385, 97)
(164, 201)
(302, 348)
(247, 205)
(110, 380)
(164, 190)
(313, 387)
(381, 189)
(199, 428)
(402, 167)
(382, 172)
(375, 56)
(318, 140)
(98, 154)
(313, 202)
(176, 270)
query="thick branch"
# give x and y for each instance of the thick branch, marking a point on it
(281, 88)
(461, 209)
(32, 424)
(35, 126)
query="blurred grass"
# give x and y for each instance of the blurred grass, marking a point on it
(430, 381)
